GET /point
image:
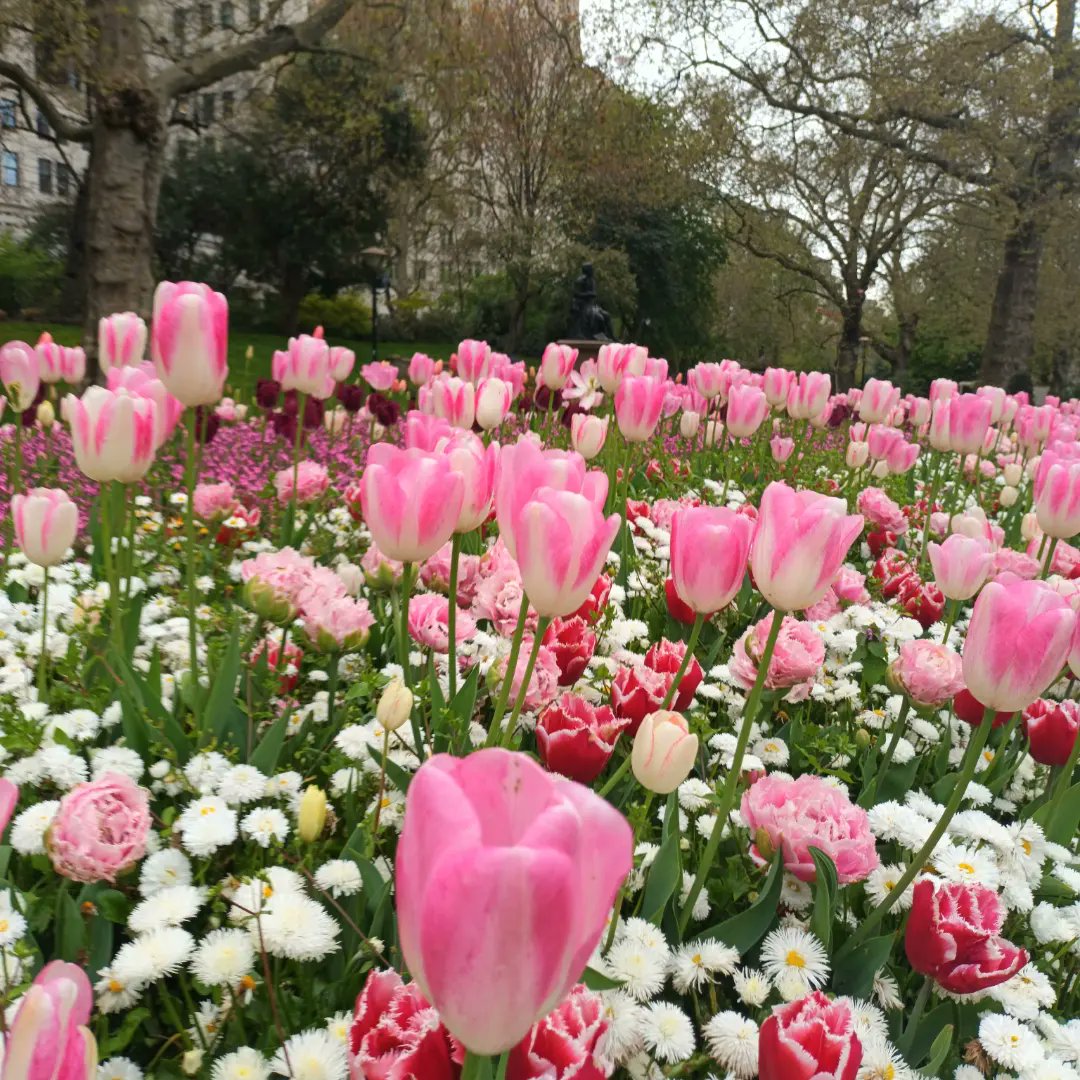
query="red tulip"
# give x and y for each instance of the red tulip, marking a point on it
(636, 692)
(969, 709)
(572, 643)
(922, 600)
(810, 1039)
(563, 1044)
(596, 602)
(677, 609)
(666, 657)
(1052, 728)
(575, 739)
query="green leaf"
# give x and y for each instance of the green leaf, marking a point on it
(70, 930)
(123, 1035)
(1064, 825)
(112, 904)
(666, 870)
(926, 1036)
(898, 781)
(938, 1051)
(465, 699)
(222, 700)
(596, 980)
(265, 756)
(853, 972)
(394, 772)
(745, 930)
(826, 887)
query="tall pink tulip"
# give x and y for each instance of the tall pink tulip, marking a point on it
(476, 464)
(611, 363)
(808, 395)
(563, 541)
(423, 430)
(189, 341)
(918, 410)
(638, 403)
(800, 542)
(143, 382)
(121, 340)
(421, 369)
(60, 363)
(781, 448)
(943, 390)
(777, 381)
(996, 396)
(881, 439)
(46, 521)
(969, 418)
(48, 1038)
(112, 433)
(305, 367)
(20, 374)
(473, 361)
(709, 549)
(902, 456)
(411, 501)
(747, 408)
(1057, 495)
(342, 361)
(1017, 642)
(961, 565)
(938, 433)
(454, 400)
(505, 875)
(877, 401)
(9, 798)
(707, 379)
(494, 397)
(556, 364)
(587, 434)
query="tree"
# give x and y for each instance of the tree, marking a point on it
(131, 96)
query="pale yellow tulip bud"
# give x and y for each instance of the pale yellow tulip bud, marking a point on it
(395, 706)
(311, 817)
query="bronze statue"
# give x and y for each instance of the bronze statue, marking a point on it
(588, 320)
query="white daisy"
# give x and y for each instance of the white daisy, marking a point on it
(732, 1040)
(667, 1032)
(27, 833)
(119, 1068)
(339, 877)
(265, 825)
(164, 870)
(242, 784)
(242, 1064)
(312, 1055)
(153, 956)
(795, 960)
(167, 907)
(207, 824)
(223, 957)
(753, 986)
(883, 880)
(1009, 1042)
(641, 970)
(296, 928)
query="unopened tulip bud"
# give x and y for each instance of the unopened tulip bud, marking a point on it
(249, 353)
(857, 454)
(191, 1062)
(395, 706)
(1008, 496)
(880, 469)
(1012, 473)
(763, 843)
(46, 414)
(1029, 527)
(862, 739)
(712, 431)
(311, 816)
(664, 751)
(352, 577)
(688, 424)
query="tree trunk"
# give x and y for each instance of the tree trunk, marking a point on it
(907, 330)
(291, 293)
(848, 347)
(73, 289)
(127, 157)
(1010, 338)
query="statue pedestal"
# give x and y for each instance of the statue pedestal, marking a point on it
(587, 347)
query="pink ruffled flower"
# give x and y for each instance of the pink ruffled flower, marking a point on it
(797, 658)
(1008, 561)
(100, 829)
(380, 570)
(930, 674)
(824, 609)
(498, 599)
(562, 1046)
(429, 622)
(881, 512)
(796, 815)
(312, 480)
(543, 683)
(435, 574)
(214, 501)
(339, 625)
(850, 586)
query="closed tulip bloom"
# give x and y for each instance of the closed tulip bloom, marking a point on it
(421, 369)
(638, 403)
(142, 381)
(477, 465)
(707, 379)
(1057, 495)
(689, 423)
(304, 367)
(746, 410)
(342, 361)
(808, 395)
(493, 400)
(969, 419)
(996, 396)
(611, 365)
(810, 1039)
(60, 363)
(709, 549)
(423, 431)
(473, 360)
(587, 434)
(505, 875)
(1017, 642)
(777, 381)
(556, 364)
(112, 433)
(311, 814)
(902, 456)
(881, 439)
(878, 399)
(1052, 728)
(943, 390)
(121, 340)
(961, 565)
(664, 752)
(857, 454)
(20, 374)
(781, 448)
(938, 432)
(800, 542)
(411, 501)
(918, 411)
(46, 521)
(563, 540)
(189, 341)
(454, 400)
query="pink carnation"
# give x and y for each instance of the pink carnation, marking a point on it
(339, 625)
(435, 574)
(881, 512)
(429, 622)
(850, 586)
(797, 815)
(930, 674)
(380, 569)
(544, 681)
(214, 501)
(100, 829)
(797, 658)
(312, 480)
(498, 599)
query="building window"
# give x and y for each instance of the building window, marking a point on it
(227, 19)
(42, 125)
(9, 168)
(63, 178)
(206, 17)
(228, 103)
(254, 12)
(7, 112)
(179, 25)
(45, 176)
(206, 108)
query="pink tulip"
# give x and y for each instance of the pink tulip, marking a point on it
(808, 395)
(563, 541)
(502, 367)
(421, 369)
(777, 382)
(493, 400)
(1057, 495)
(961, 565)
(800, 542)
(454, 400)
(707, 379)
(59, 363)
(556, 364)
(881, 439)
(638, 402)
(781, 448)
(879, 397)
(473, 361)
(943, 390)
(939, 432)
(1017, 642)
(423, 431)
(969, 418)
(524, 469)
(121, 340)
(709, 549)
(20, 374)
(611, 363)
(142, 381)
(477, 465)
(656, 367)
(918, 411)
(380, 375)
(857, 454)
(902, 456)
(112, 433)
(189, 341)
(305, 367)
(48, 1038)
(46, 521)
(505, 877)
(342, 361)
(587, 434)
(746, 410)
(996, 396)
(411, 501)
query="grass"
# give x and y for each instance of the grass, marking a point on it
(243, 373)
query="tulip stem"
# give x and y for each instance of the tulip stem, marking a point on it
(616, 776)
(915, 867)
(451, 619)
(189, 541)
(301, 405)
(886, 761)
(541, 626)
(929, 514)
(475, 1067)
(508, 677)
(727, 797)
(43, 657)
(673, 689)
(1049, 560)
(950, 619)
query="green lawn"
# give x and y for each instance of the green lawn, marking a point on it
(242, 373)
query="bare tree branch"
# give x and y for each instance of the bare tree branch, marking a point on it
(64, 128)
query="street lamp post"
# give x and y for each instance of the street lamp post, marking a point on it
(375, 258)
